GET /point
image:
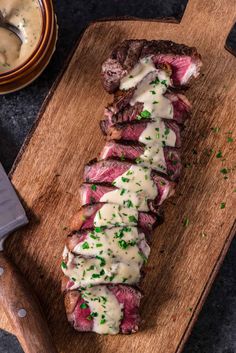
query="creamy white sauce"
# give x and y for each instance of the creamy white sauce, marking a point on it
(111, 214)
(137, 179)
(157, 133)
(126, 198)
(27, 16)
(144, 67)
(109, 256)
(154, 157)
(150, 91)
(106, 311)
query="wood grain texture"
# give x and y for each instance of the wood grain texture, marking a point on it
(183, 262)
(22, 310)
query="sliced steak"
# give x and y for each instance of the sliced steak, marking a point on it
(136, 153)
(79, 313)
(185, 62)
(139, 132)
(91, 216)
(91, 193)
(180, 104)
(107, 171)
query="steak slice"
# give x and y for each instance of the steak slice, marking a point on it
(91, 193)
(79, 313)
(104, 256)
(180, 105)
(90, 216)
(134, 130)
(135, 153)
(185, 62)
(108, 170)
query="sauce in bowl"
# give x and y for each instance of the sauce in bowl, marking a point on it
(27, 16)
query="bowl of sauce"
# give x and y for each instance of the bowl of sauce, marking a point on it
(28, 35)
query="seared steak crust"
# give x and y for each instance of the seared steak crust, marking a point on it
(127, 54)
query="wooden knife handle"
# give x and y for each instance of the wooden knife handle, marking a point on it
(23, 310)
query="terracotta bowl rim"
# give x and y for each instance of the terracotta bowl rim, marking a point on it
(48, 17)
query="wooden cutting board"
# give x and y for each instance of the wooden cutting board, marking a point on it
(184, 259)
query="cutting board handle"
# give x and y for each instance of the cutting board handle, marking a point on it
(22, 310)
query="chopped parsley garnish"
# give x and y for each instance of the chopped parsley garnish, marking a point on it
(224, 170)
(73, 279)
(145, 114)
(215, 129)
(164, 82)
(94, 314)
(222, 205)
(122, 192)
(155, 82)
(230, 139)
(98, 245)
(152, 92)
(155, 102)
(93, 187)
(85, 245)
(132, 219)
(98, 229)
(219, 154)
(103, 321)
(122, 157)
(129, 203)
(186, 222)
(63, 264)
(125, 180)
(103, 261)
(83, 306)
(99, 215)
(148, 138)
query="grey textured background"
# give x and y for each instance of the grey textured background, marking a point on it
(215, 331)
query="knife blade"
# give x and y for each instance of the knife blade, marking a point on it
(12, 214)
(17, 298)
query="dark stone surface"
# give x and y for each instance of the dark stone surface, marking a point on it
(215, 331)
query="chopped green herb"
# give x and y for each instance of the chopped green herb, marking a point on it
(122, 192)
(215, 129)
(103, 321)
(155, 102)
(152, 92)
(122, 157)
(186, 222)
(219, 154)
(125, 180)
(103, 261)
(148, 138)
(145, 114)
(130, 76)
(132, 219)
(85, 245)
(98, 245)
(230, 139)
(94, 313)
(99, 215)
(129, 203)
(224, 170)
(222, 205)
(98, 229)
(83, 306)
(63, 264)
(93, 187)
(155, 82)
